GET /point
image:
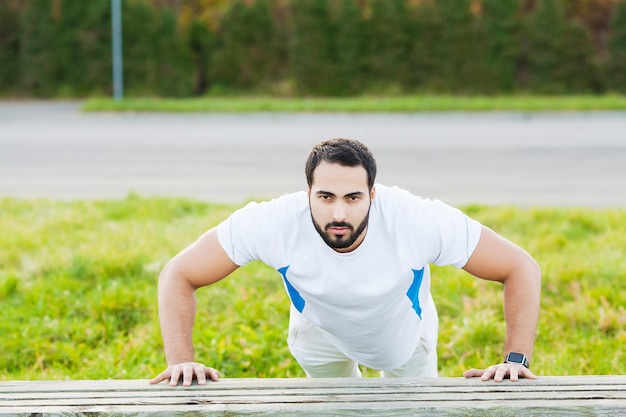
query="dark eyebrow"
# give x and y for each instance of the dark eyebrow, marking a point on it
(326, 193)
(329, 194)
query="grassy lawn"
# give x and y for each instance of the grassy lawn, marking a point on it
(241, 104)
(78, 293)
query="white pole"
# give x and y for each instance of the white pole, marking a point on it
(118, 70)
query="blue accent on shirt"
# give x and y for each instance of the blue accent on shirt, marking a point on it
(296, 298)
(414, 290)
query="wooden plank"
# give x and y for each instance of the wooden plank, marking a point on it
(562, 383)
(594, 395)
(297, 394)
(262, 386)
(408, 409)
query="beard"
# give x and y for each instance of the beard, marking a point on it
(341, 241)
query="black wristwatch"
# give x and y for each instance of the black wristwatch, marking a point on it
(514, 357)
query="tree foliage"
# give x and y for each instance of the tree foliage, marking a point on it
(39, 67)
(388, 43)
(499, 45)
(313, 47)
(9, 47)
(351, 44)
(249, 52)
(83, 52)
(559, 53)
(617, 47)
(51, 48)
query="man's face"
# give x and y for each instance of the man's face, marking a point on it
(340, 201)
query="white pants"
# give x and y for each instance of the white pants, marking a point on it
(321, 359)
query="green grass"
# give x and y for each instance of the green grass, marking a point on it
(241, 104)
(78, 293)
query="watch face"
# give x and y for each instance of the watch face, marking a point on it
(515, 357)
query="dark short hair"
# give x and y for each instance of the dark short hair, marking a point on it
(346, 152)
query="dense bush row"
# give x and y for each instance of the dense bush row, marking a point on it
(51, 48)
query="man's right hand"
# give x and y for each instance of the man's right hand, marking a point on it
(188, 371)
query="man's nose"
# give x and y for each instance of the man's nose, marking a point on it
(339, 212)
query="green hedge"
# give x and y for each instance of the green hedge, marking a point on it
(62, 48)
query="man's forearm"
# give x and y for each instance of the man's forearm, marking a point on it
(522, 294)
(177, 310)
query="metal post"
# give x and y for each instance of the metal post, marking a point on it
(118, 70)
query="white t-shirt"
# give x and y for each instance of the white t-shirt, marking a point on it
(368, 302)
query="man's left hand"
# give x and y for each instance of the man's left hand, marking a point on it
(498, 372)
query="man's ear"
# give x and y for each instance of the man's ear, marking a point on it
(372, 194)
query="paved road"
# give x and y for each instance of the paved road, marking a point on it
(54, 150)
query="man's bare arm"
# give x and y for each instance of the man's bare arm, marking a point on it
(497, 259)
(202, 263)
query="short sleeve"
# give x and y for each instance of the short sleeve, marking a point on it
(260, 231)
(458, 233)
(429, 230)
(236, 233)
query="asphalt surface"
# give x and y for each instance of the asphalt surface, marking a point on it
(53, 150)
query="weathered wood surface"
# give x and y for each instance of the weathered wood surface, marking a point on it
(556, 396)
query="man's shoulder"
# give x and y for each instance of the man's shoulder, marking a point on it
(394, 194)
(397, 201)
(273, 216)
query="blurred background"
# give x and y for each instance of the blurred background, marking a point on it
(186, 48)
(94, 204)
